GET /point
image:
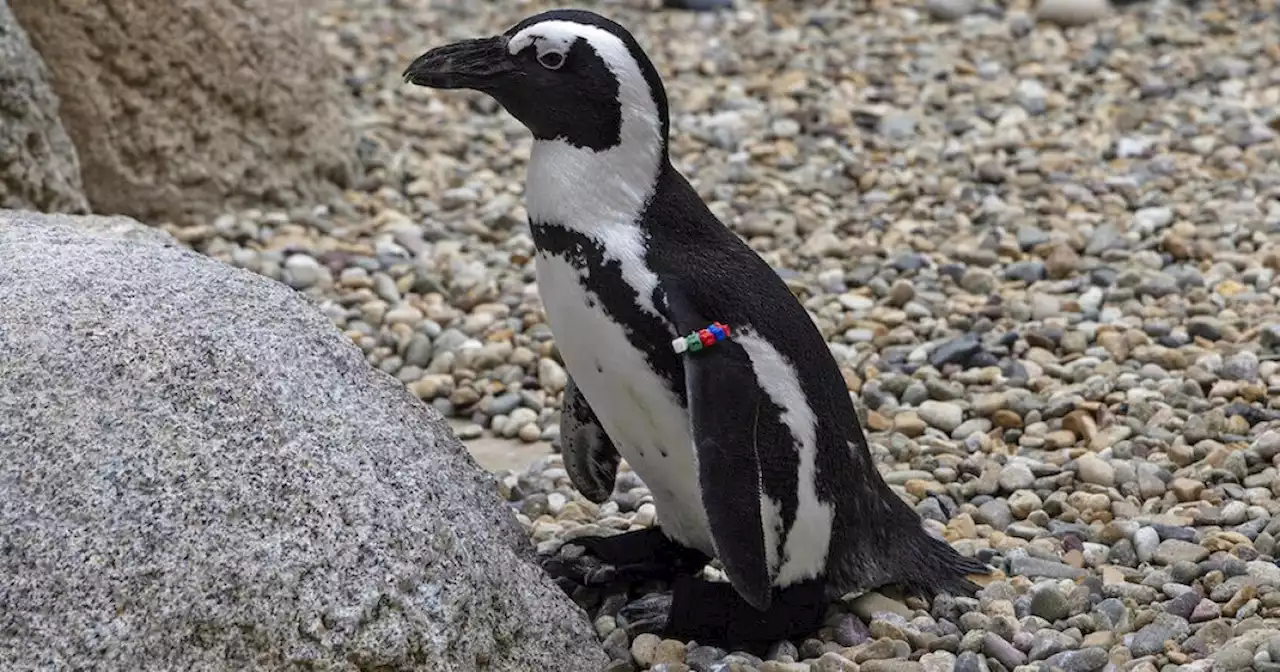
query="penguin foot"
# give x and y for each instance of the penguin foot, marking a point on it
(647, 614)
(712, 612)
(639, 555)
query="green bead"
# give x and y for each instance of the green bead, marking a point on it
(695, 343)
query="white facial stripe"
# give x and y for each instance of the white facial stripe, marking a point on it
(810, 536)
(553, 41)
(600, 194)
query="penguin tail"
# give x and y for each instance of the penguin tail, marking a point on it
(932, 567)
(906, 556)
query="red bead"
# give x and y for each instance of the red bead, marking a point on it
(706, 337)
(723, 327)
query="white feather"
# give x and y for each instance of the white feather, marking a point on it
(809, 538)
(634, 404)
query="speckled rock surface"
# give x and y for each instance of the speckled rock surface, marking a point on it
(107, 225)
(38, 164)
(197, 472)
(180, 110)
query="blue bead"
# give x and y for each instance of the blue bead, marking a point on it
(717, 332)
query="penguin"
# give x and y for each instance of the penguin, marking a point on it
(687, 355)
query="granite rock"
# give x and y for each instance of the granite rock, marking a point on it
(200, 472)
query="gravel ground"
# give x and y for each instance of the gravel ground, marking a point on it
(1045, 258)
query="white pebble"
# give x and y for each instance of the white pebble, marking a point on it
(1072, 12)
(551, 376)
(302, 271)
(645, 515)
(556, 502)
(529, 433)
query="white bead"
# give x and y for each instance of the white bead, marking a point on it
(679, 345)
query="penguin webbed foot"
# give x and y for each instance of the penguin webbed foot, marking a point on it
(640, 555)
(647, 614)
(712, 612)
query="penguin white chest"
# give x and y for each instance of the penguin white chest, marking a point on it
(632, 401)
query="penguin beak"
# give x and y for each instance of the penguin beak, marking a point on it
(470, 64)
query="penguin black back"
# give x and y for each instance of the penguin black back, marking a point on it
(876, 538)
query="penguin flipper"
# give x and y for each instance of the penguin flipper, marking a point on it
(724, 409)
(589, 454)
(730, 430)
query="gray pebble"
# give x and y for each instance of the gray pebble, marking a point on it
(949, 10)
(943, 415)
(998, 648)
(302, 271)
(969, 661)
(1145, 542)
(1050, 604)
(1151, 638)
(1083, 660)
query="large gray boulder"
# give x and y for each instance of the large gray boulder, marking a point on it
(199, 472)
(39, 168)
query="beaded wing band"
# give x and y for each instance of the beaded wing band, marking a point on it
(702, 338)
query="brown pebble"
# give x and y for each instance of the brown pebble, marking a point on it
(1007, 419)
(1246, 593)
(1114, 343)
(1185, 489)
(1062, 262)
(1061, 438)
(1101, 638)
(1176, 246)
(1081, 423)
(920, 488)
(962, 527)
(877, 422)
(909, 423)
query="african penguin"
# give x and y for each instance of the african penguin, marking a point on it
(744, 432)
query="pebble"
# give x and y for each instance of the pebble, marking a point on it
(1083, 660)
(1171, 551)
(943, 415)
(1016, 476)
(1072, 12)
(644, 648)
(950, 10)
(1023, 503)
(998, 648)
(1095, 470)
(891, 666)
(1151, 638)
(551, 376)
(1050, 604)
(1146, 541)
(302, 271)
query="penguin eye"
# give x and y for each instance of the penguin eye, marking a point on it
(551, 60)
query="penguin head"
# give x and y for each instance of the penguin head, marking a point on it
(569, 76)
